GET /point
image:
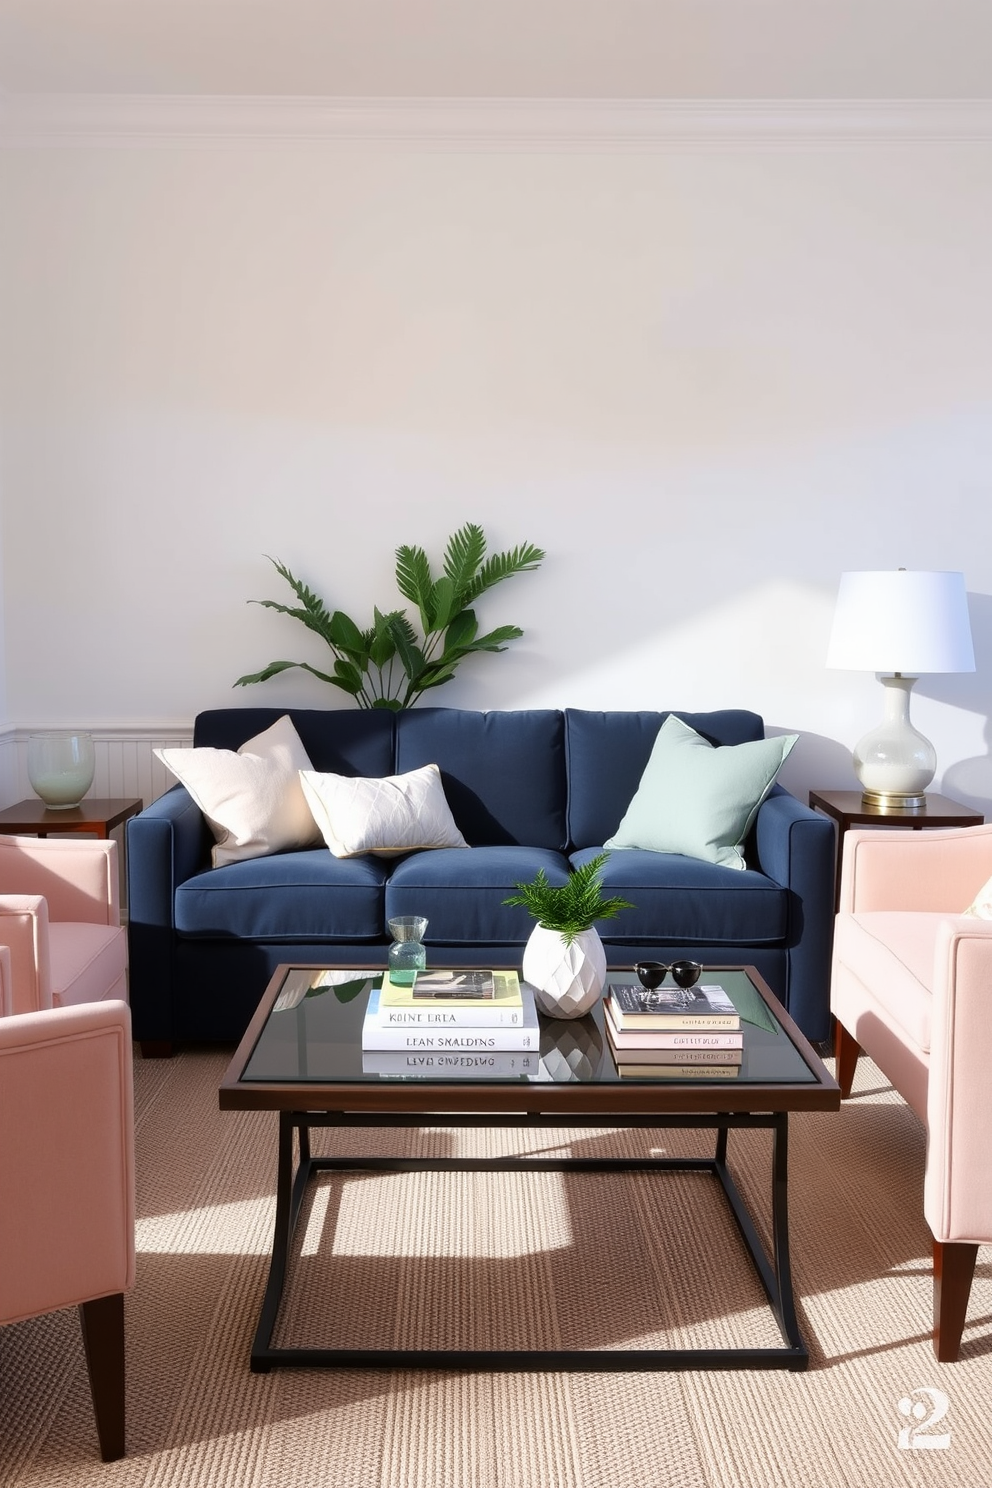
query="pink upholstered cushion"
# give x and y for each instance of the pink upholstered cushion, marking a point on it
(938, 869)
(78, 879)
(958, 1192)
(66, 1158)
(89, 963)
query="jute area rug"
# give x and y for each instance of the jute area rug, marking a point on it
(584, 1260)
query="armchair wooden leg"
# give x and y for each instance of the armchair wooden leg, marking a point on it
(846, 1051)
(953, 1269)
(103, 1339)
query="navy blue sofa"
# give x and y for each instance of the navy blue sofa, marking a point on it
(530, 789)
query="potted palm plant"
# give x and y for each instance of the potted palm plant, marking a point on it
(564, 960)
(388, 665)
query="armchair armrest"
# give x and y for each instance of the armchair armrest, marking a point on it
(939, 870)
(27, 971)
(79, 879)
(66, 1158)
(957, 1198)
(795, 848)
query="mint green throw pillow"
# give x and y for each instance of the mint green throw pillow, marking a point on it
(698, 799)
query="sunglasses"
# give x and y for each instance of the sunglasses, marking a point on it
(651, 974)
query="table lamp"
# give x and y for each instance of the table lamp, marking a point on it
(900, 623)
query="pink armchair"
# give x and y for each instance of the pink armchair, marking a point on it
(912, 987)
(60, 916)
(67, 1180)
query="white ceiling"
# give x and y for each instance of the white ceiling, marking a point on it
(679, 49)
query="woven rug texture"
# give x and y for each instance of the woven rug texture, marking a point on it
(510, 1260)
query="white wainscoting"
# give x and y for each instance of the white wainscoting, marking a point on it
(125, 763)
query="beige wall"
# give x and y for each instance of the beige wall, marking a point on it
(706, 376)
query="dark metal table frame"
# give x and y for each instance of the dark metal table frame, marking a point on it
(774, 1272)
(346, 1103)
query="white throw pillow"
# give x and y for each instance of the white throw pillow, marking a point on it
(387, 816)
(252, 799)
(980, 907)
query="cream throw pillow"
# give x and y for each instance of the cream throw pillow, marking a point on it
(252, 799)
(980, 907)
(387, 816)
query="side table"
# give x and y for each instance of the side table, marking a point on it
(93, 816)
(847, 809)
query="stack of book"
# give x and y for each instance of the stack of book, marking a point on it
(699, 1037)
(452, 1024)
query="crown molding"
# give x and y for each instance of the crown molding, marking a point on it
(104, 120)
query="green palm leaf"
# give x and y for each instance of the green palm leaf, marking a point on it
(415, 581)
(522, 559)
(462, 558)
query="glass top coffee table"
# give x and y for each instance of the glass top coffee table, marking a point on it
(302, 1056)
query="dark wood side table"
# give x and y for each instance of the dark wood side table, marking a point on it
(93, 816)
(847, 809)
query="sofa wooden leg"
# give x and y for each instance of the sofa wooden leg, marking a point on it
(953, 1269)
(103, 1339)
(846, 1051)
(156, 1048)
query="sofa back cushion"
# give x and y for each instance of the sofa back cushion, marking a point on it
(503, 772)
(343, 741)
(607, 753)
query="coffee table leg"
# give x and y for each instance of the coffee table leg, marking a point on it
(786, 1305)
(289, 1195)
(774, 1271)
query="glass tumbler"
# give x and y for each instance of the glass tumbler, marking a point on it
(406, 954)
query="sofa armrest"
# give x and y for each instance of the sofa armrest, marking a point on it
(937, 870)
(66, 1158)
(957, 1198)
(166, 844)
(795, 848)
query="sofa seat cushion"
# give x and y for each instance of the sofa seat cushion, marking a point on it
(685, 900)
(892, 952)
(296, 896)
(88, 962)
(461, 892)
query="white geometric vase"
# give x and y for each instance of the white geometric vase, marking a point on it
(567, 978)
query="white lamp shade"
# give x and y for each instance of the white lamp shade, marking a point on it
(898, 620)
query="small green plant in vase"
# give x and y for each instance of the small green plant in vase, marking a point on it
(564, 960)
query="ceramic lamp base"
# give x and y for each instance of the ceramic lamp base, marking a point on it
(894, 762)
